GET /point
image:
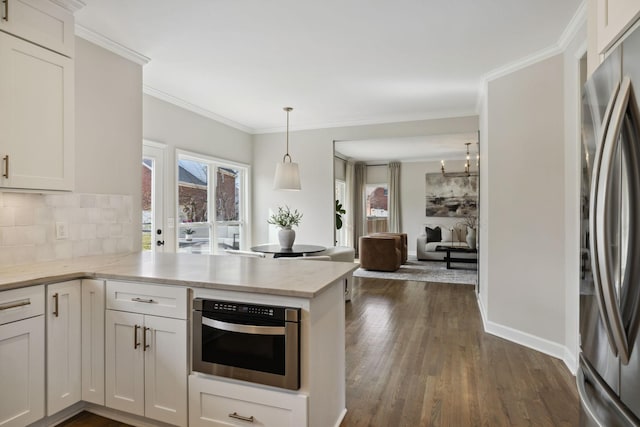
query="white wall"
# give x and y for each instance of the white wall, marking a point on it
(313, 150)
(178, 128)
(525, 251)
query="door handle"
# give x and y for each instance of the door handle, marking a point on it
(5, 159)
(594, 229)
(159, 242)
(145, 346)
(245, 329)
(625, 103)
(135, 336)
(56, 312)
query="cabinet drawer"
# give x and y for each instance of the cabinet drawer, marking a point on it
(220, 403)
(22, 303)
(158, 300)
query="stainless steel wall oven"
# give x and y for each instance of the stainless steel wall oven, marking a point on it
(255, 343)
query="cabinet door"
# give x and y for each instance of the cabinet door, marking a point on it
(63, 346)
(124, 362)
(166, 370)
(614, 18)
(93, 341)
(22, 372)
(36, 117)
(39, 21)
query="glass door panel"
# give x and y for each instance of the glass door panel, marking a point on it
(194, 232)
(152, 197)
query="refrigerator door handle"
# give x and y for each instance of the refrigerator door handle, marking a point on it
(593, 404)
(604, 212)
(594, 231)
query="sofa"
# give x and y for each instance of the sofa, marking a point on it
(434, 235)
(380, 252)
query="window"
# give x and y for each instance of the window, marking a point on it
(211, 185)
(377, 208)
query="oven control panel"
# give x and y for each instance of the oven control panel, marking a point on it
(249, 310)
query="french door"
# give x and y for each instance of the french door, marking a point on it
(153, 155)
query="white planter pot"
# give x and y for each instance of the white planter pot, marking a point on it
(187, 237)
(471, 238)
(286, 236)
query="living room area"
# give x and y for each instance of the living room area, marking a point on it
(410, 206)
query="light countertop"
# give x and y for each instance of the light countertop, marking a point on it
(297, 278)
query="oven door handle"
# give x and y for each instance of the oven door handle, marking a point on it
(244, 329)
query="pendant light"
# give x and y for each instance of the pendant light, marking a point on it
(287, 173)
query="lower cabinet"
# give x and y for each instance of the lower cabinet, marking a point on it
(63, 346)
(146, 366)
(22, 356)
(93, 307)
(222, 403)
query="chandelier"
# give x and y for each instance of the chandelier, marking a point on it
(467, 166)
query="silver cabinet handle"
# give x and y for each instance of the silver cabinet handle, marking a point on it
(597, 262)
(14, 304)
(144, 300)
(240, 417)
(5, 159)
(6, 10)
(244, 329)
(56, 311)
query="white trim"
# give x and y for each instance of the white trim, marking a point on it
(528, 340)
(71, 5)
(571, 31)
(179, 102)
(111, 45)
(341, 417)
(154, 144)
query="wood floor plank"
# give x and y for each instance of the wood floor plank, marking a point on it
(417, 355)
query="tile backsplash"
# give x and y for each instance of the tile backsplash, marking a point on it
(95, 224)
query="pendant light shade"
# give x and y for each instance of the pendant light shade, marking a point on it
(287, 172)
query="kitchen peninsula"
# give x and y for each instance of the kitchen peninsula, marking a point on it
(93, 286)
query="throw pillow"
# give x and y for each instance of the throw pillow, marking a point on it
(447, 235)
(433, 234)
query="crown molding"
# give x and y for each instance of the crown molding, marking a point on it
(111, 45)
(194, 108)
(71, 5)
(570, 32)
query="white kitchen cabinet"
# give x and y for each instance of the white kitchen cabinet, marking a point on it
(220, 403)
(63, 345)
(39, 21)
(146, 354)
(614, 17)
(36, 117)
(22, 356)
(93, 306)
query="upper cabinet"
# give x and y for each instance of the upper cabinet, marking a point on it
(614, 18)
(41, 22)
(36, 95)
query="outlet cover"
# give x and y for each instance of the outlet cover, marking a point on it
(62, 230)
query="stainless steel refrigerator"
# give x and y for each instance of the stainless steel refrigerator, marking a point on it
(609, 365)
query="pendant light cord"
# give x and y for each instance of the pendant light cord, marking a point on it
(284, 158)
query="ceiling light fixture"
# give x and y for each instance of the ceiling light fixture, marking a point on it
(467, 166)
(287, 173)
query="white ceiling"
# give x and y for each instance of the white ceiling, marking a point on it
(335, 62)
(422, 148)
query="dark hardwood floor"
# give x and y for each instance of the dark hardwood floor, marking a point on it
(417, 356)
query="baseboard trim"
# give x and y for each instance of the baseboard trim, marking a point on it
(123, 417)
(528, 340)
(341, 417)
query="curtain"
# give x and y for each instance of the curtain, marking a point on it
(359, 222)
(348, 217)
(395, 213)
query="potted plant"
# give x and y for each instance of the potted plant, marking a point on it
(187, 233)
(285, 219)
(339, 212)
